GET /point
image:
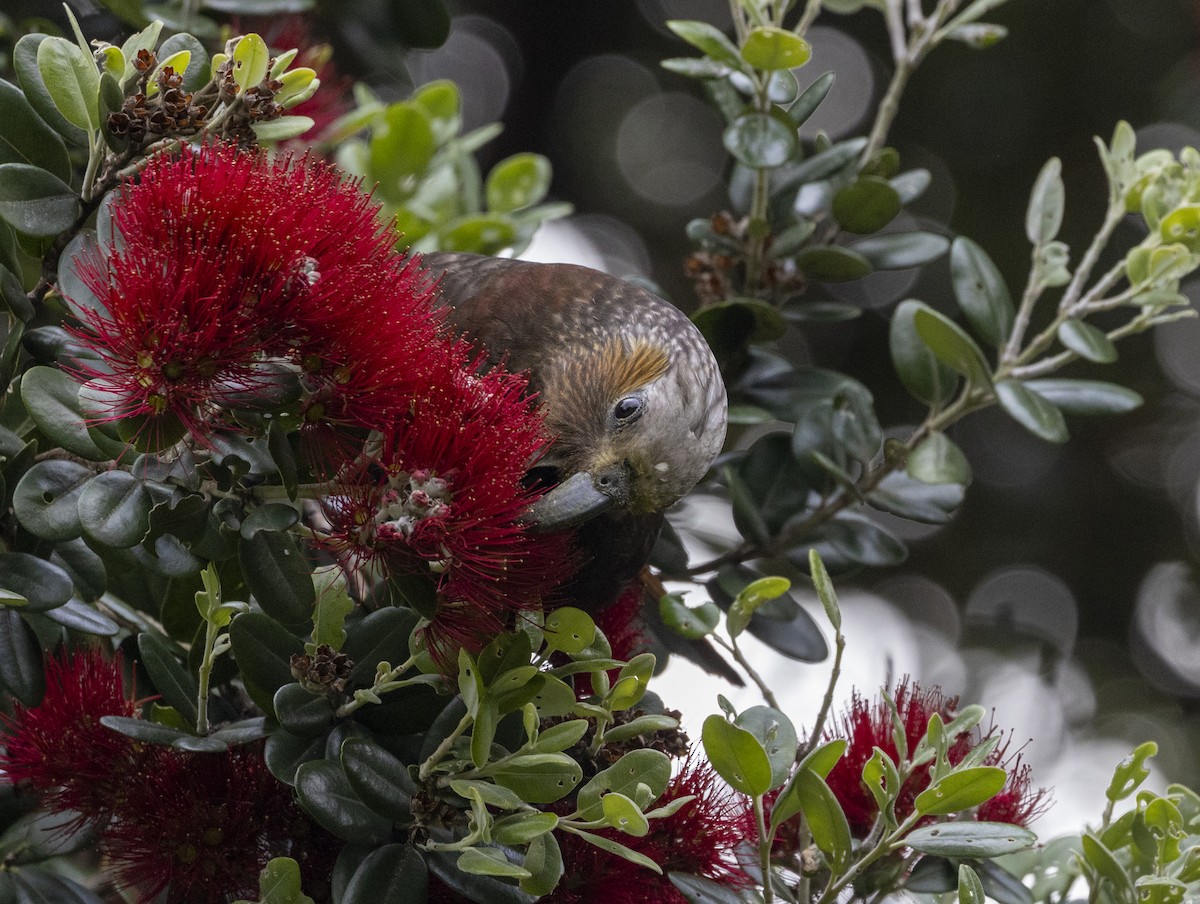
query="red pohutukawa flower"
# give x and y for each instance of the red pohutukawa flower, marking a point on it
(60, 750)
(700, 838)
(444, 497)
(229, 259)
(205, 824)
(201, 824)
(866, 726)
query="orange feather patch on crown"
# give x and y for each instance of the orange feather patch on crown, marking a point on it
(625, 369)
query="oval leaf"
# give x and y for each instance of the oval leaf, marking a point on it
(970, 839)
(114, 509)
(950, 343)
(1031, 411)
(981, 291)
(961, 790)
(325, 792)
(1087, 397)
(759, 140)
(36, 202)
(737, 755)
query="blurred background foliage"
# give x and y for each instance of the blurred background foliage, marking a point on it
(1065, 590)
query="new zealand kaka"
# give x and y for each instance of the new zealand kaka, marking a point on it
(630, 391)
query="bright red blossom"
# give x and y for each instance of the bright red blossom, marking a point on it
(700, 839)
(205, 824)
(59, 748)
(444, 498)
(201, 824)
(228, 259)
(867, 726)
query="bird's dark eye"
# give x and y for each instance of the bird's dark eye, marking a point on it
(628, 409)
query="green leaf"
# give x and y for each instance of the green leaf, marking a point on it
(77, 615)
(952, 346)
(642, 725)
(145, 39)
(822, 758)
(737, 755)
(378, 778)
(696, 67)
(961, 790)
(196, 74)
(517, 182)
(302, 713)
(177, 687)
(401, 147)
(637, 767)
(811, 98)
(34, 201)
(866, 205)
(25, 62)
(333, 604)
(114, 509)
(1031, 411)
(825, 590)
(263, 649)
(380, 637)
(970, 839)
(1087, 341)
(833, 263)
(279, 883)
(1086, 397)
(826, 821)
(970, 889)
(490, 862)
(747, 602)
(767, 47)
(776, 734)
(46, 499)
(278, 576)
(540, 778)
(251, 61)
(981, 291)
(25, 137)
(620, 850)
(699, 890)
(43, 584)
(707, 39)
(324, 791)
(1131, 772)
(918, 367)
(728, 325)
(482, 234)
(760, 140)
(72, 80)
(900, 250)
(624, 815)
(52, 399)
(570, 630)
(21, 669)
(165, 735)
(545, 864)
(283, 128)
(686, 621)
(938, 460)
(1044, 216)
(391, 874)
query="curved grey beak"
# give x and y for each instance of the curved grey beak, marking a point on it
(579, 498)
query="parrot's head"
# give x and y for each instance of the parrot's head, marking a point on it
(638, 417)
